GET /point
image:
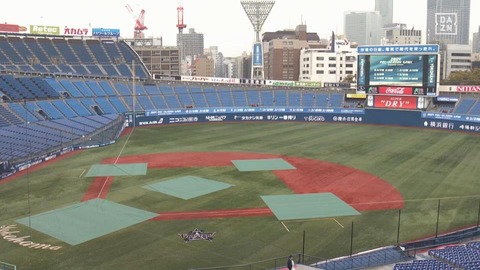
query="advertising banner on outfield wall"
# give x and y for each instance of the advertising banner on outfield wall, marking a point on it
(394, 116)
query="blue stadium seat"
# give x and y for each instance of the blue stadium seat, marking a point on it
(226, 97)
(464, 105)
(212, 98)
(239, 98)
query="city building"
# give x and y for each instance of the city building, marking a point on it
(398, 33)
(244, 66)
(364, 28)
(159, 60)
(448, 21)
(217, 57)
(231, 66)
(476, 42)
(455, 57)
(282, 52)
(204, 66)
(192, 43)
(385, 8)
(331, 64)
(475, 60)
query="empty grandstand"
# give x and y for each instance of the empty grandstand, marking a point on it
(59, 94)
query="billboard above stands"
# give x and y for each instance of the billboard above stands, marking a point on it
(356, 96)
(415, 73)
(393, 102)
(280, 83)
(308, 84)
(337, 84)
(44, 30)
(467, 88)
(209, 79)
(73, 31)
(257, 60)
(460, 88)
(105, 32)
(399, 49)
(14, 28)
(447, 99)
(293, 83)
(397, 90)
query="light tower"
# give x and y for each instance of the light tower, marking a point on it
(180, 26)
(257, 11)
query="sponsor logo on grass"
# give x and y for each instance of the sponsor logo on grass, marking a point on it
(196, 234)
(9, 233)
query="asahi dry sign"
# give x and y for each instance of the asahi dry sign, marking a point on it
(9, 233)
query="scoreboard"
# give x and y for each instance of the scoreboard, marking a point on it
(398, 70)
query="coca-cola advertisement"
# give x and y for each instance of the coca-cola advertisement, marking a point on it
(396, 90)
(395, 102)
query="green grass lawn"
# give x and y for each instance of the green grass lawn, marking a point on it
(425, 166)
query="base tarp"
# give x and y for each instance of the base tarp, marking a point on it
(271, 164)
(117, 169)
(308, 206)
(85, 221)
(187, 187)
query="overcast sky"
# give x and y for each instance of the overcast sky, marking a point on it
(223, 22)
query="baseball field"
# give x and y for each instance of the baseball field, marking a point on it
(177, 197)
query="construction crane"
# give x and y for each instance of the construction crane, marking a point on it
(139, 22)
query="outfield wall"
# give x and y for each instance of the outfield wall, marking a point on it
(419, 119)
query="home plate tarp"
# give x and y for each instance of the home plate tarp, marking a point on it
(308, 206)
(85, 221)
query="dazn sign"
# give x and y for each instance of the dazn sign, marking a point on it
(445, 23)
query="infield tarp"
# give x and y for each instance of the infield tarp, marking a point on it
(187, 187)
(117, 169)
(271, 164)
(308, 206)
(81, 222)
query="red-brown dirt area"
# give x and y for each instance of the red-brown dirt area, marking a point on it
(361, 190)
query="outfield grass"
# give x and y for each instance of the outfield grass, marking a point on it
(425, 166)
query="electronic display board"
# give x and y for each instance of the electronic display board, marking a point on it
(398, 71)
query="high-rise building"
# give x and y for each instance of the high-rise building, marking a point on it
(400, 34)
(158, 59)
(455, 57)
(364, 28)
(204, 66)
(333, 64)
(476, 42)
(448, 21)
(192, 43)
(282, 52)
(385, 8)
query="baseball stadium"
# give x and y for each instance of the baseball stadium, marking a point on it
(104, 166)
